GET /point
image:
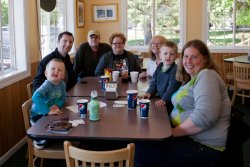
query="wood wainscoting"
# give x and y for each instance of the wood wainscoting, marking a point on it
(11, 119)
(218, 58)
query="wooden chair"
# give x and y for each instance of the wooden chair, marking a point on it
(75, 155)
(241, 73)
(50, 152)
(228, 70)
(29, 90)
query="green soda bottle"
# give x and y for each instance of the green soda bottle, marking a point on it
(94, 107)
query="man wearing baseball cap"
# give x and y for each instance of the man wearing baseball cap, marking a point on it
(88, 55)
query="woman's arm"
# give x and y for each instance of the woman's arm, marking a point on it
(185, 129)
(207, 101)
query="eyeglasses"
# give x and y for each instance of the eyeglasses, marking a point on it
(156, 44)
(116, 44)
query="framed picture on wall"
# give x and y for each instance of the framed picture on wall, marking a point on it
(80, 13)
(105, 12)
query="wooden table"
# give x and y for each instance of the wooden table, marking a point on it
(116, 123)
(84, 87)
(240, 59)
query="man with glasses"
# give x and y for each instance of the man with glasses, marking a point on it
(118, 59)
(88, 55)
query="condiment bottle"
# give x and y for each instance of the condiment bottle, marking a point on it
(108, 74)
(94, 107)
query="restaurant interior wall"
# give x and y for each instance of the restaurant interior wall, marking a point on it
(11, 97)
(105, 28)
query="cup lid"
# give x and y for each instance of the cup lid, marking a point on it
(144, 101)
(82, 101)
(104, 76)
(132, 91)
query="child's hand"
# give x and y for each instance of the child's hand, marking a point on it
(146, 96)
(54, 107)
(160, 103)
(54, 110)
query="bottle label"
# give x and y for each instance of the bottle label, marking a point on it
(94, 107)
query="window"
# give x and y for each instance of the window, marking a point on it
(7, 56)
(146, 19)
(13, 42)
(228, 23)
(54, 22)
(51, 24)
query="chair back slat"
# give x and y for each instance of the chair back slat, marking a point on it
(26, 113)
(124, 156)
(29, 90)
(241, 80)
(227, 68)
(242, 75)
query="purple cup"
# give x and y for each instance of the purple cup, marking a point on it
(82, 107)
(132, 98)
(144, 108)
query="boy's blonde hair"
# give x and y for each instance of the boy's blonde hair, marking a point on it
(55, 60)
(171, 45)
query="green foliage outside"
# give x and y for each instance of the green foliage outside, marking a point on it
(215, 37)
(167, 21)
(139, 42)
(4, 11)
(140, 15)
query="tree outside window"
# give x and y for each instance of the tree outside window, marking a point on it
(228, 23)
(147, 18)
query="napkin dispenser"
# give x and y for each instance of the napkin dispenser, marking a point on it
(111, 92)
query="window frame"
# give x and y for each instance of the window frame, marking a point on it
(183, 31)
(219, 49)
(68, 15)
(21, 44)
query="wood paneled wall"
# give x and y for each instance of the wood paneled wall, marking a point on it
(218, 58)
(11, 119)
(11, 99)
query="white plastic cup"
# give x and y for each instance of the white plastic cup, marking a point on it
(134, 76)
(115, 76)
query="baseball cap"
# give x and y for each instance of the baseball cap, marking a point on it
(91, 32)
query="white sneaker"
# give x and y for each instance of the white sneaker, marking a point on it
(39, 144)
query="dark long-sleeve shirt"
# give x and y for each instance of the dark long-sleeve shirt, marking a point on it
(85, 61)
(40, 76)
(164, 84)
(107, 62)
